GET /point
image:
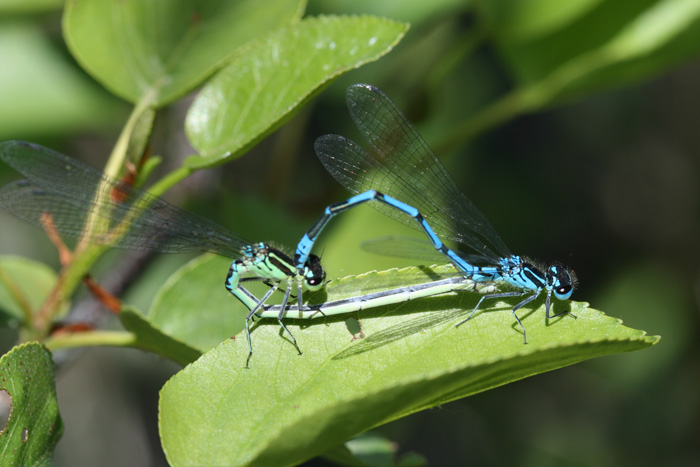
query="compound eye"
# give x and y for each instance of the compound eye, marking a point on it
(314, 283)
(314, 275)
(563, 292)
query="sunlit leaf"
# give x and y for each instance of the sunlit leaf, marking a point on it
(288, 408)
(159, 49)
(270, 81)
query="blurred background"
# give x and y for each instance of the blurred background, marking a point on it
(571, 125)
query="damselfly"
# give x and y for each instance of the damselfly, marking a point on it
(402, 175)
(85, 204)
(451, 282)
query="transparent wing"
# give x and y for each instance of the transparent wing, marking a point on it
(374, 282)
(400, 163)
(415, 248)
(67, 191)
(403, 247)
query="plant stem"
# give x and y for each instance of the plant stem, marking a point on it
(91, 339)
(86, 255)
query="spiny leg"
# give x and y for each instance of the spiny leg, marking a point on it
(264, 280)
(547, 308)
(300, 301)
(486, 297)
(283, 308)
(515, 308)
(249, 318)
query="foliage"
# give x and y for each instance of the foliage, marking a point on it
(34, 425)
(288, 408)
(255, 66)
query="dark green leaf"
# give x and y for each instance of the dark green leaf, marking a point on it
(155, 340)
(35, 426)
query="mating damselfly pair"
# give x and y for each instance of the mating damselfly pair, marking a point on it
(398, 174)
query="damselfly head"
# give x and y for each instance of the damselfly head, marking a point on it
(314, 275)
(562, 280)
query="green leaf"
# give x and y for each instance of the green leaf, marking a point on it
(24, 286)
(194, 307)
(264, 86)
(160, 49)
(34, 426)
(288, 408)
(613, 44)
(150, 337)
